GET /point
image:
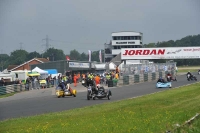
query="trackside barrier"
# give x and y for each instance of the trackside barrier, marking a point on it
(11, 88)
(153, 76)
(126, 80)
(138, 78)
(145, 77)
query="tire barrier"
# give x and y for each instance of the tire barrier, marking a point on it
(136, 78)
(11, 88)
(160, 74)
(110, 83)
(145, 77)
(153, 76)
(125, 80)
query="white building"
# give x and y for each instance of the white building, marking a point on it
(122, 40)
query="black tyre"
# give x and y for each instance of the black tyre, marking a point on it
(74, 95)
(88, 95)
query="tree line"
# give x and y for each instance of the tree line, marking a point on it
(18, 57)
(187, 41)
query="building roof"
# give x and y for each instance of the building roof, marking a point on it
(41, 60)
(11, 67)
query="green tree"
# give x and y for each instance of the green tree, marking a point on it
(83, 57)
(32, 55)
(54, 54)
(75, 55)
(4, 58)
(18, 57)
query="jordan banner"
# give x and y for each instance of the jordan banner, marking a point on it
(161, 53)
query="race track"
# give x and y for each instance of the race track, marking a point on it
(31, 103)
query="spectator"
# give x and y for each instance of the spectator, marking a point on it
(3, 82)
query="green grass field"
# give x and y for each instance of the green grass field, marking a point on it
(153, 113)
(185, 69)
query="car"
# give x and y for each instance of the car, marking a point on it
(163, 85)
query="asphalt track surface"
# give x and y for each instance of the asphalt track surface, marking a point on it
(37, 102)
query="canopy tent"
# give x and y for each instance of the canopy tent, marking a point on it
(37, 69)
(51, 71)
(112, 66)
(43, 73)
(33, 74)
(100, 66)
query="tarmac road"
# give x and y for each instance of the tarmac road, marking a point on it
(42, 101)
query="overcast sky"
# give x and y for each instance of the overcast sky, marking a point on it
(87, 24)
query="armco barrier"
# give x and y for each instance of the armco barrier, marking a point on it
(11, 88)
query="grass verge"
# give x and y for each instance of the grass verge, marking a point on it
(7, 95)
(147, 114)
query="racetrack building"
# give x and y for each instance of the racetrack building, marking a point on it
(122, 40)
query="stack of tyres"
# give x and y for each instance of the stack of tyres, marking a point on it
(110, 83)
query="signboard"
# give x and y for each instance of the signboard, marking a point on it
(160, 53)
(79, 65)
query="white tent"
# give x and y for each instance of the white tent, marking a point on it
(112, 66)
(37, 69)
(43, 73)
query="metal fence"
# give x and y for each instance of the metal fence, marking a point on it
(135, 69)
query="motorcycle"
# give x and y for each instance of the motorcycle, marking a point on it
(191, 77)
(100, 93)
(61, 93)
(199, 72)
(169, 78)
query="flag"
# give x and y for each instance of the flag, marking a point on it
(89, 55)
(67, 57)
(100, 56)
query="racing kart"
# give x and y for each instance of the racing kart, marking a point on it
(61, 93)
(164, 85)
(92, 93)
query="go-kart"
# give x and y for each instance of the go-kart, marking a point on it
(164, 85)
(61, 93)
(92, 93)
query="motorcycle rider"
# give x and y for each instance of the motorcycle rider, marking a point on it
(63, 84)
(161, 80)
(189, 75)
(170, 77)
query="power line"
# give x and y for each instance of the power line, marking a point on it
(21, 45)
(47, 42)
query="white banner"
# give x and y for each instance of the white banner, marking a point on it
(79, 65)
(100, 56)
(89, 54)
(161, 53)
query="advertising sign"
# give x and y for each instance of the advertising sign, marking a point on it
(79, 65)
(161, 53)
